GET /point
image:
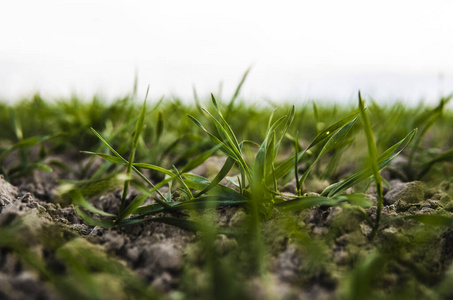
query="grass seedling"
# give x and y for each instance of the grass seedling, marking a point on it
(24, 166)
(137, 133)
(373, 162)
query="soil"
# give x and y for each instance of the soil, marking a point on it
(300, 267)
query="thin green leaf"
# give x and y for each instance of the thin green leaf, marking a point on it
(140, 123)
(159, 126)
(228, 136)
(155, 208)
(222, 173)
(283, 168)
(289, 121)
(236, 93)
(198, 160)
(153, 167)
(224, 148)
(104, 223)
(383, 160)
(446, 156)
(184, 187)
(307, 202)
(79, 200)
(111, 158)
(28, 142)
(373, 161)
(332, 143)
(181, 223)
(132, 207)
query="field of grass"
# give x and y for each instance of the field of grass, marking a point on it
(160, 199)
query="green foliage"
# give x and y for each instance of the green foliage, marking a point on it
(151, 154)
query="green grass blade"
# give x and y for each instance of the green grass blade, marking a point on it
(184, 187)
(222, 173)
(159, 126)
(154, 188)
(104, 223)
(224, 148)
(236, 93)
(155, 208)
(225, 127)
(373, 161)
(132, 207)
(153, 167)
(332, 143)
(425, 122)
(289, 121)
(200, 183)
(181, 223)
(79, 200)
(198, 160)
(163, 201)
(28, 142)
(296, 164)
(307, 202)
(140, 123)
(331, 129)
(197, 100)
(138, 131)
(107, 144)
(284, 167)
(111, 158)
(446, 156)
(227, 136)
(383, 160)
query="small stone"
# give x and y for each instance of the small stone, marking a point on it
(425, 211)
(389, 232)
(163, 256)
(239, 218)
(365, 229)
(405, 193)
(97, 231)
(8, 192)
(341, 257)
(133, 254)
(163, 283)
(290, 187)
(224, 245)
(315, 185)
(287, 264)
(7, 217)
(114, 242)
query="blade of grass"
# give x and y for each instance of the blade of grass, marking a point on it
(181, 223)
(236, 93)
(331, 144)
(163, 201)
(200, 183)
(373, 161)
(284, 167)
(383, 160)
(446, 156)
(184, 187)
(198, 160)
(138, 130)
(104, 223)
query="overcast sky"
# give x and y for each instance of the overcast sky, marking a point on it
(297, 49)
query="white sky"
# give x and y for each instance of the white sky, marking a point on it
(298, 49)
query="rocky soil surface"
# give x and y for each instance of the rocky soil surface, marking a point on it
(300, 266)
